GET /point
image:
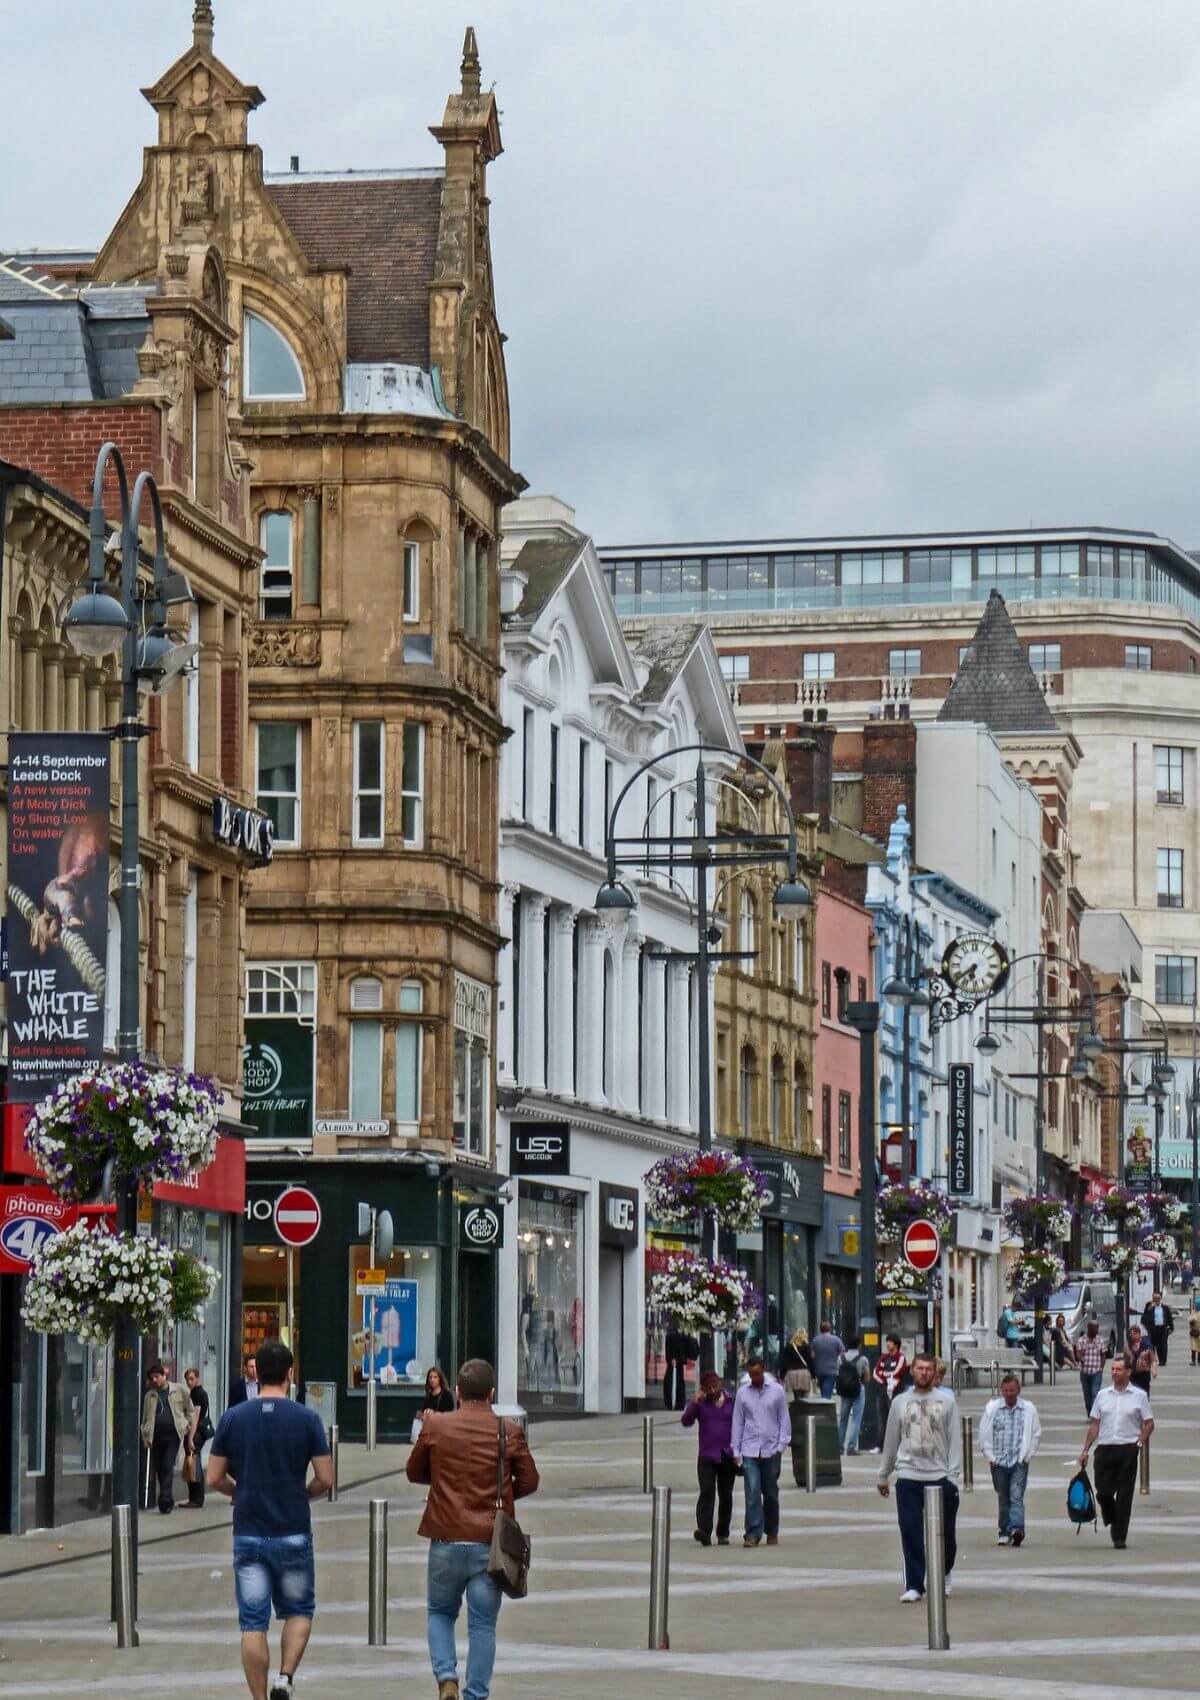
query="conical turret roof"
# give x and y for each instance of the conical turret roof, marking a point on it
(995, 685)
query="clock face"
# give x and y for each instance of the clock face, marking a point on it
(975, 964)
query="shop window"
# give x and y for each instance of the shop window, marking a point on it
(392, 1337)
(270, 370)
(278, 786)
(550, 1324)
(472, 1034)
(408, 1056)
(276, 533)
(368, 782)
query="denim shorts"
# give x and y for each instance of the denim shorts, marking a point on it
(276, 1570)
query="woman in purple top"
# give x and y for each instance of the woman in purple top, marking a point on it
(715, 1468)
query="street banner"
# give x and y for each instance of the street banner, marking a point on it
(1139, 1147)
(58, 858)
(962, 1133)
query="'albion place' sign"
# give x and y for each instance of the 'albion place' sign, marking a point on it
(962, 1142)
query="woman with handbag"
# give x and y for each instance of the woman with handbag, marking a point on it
(796, 1365)
(438, 1396)
(196, 1439)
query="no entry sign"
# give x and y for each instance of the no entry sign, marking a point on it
(297, 1216)
(922, 1245)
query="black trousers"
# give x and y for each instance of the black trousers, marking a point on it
(1158, 1339)
(1116, 1476)
(716, 1482)
(196, 1488)
(164, 1450)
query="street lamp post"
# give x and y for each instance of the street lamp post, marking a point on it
(707, 852)
(865, 1017)
(99, 624)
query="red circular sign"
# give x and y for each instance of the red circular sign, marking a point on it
(922, 1245)
(297, 1216)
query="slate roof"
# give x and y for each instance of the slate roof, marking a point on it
(384, 231)
(666, 652)
(68, 344)
(995, 685)
(545, 561)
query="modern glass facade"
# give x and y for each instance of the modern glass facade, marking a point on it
(769, 577)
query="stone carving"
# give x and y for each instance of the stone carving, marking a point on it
(280, 645)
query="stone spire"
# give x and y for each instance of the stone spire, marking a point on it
(202, 25)
(470, 64)
(995, 685)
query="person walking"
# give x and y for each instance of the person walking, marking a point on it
(796, 1365)
(1158, 1320)
(923, 1446)
(1143, 1360)
(680, 1349)
(245, 1386)
(166, 1419)
(438, 1396)
(850, 1385)
(1090, 1353)
(1008, 1328)
(1194, 1335)
(761, 1434)
(1120, 1422)
(827, 1349)
(1009, 1435)
(260, 1457)
(712, 1410)
(197, 1437)
(458, 1456)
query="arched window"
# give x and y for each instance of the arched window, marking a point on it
(778, 1088)
(746, 1091)
(746, 928)
(270, 370)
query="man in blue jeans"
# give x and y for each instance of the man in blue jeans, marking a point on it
(1009, 1436)
(260, 1458)
(762, 1433)
(458, 1453)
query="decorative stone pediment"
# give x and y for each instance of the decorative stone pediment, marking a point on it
(279, 644)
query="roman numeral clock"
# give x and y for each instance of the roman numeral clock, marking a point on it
(973, 967)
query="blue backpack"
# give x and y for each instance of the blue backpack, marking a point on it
(1081, 1501)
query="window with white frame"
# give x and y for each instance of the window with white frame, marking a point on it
(270, 370)
(191, 701)
(282, 988)
(412, 581)
(412, 787)
(472, 1036)
(277, 787)
(276, 536)
(746, 928)
(818, 664)
(904, 663)
(366, 1050)
(735, 667)
(190, 913)
(368, 782)
(1045, 657)
(408, 1055)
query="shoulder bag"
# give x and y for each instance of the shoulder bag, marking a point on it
(510, 1554)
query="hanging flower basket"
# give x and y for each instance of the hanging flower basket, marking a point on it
(1036, 1274)
(703, 1296)
(83, 1280)
(1166, 1245)
(897, 1206)
(1039, 1217)
(900, 1277)
(155, 1123)
(1124, 1210)
(1119, 1260)
(1167, 1210)
(680, 1188)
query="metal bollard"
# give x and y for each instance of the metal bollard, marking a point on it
(333, 1459)
(935, 1568)
(377, 1574)
(123, 1576)
(146, 1500)
(647, 1454)
(1144, 1467)
(660, 1569)
(372, 1414)
(1052, 1365)
(968, 1455)
(994, 1377)
(810, 1454)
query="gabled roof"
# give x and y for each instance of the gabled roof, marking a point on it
(545, 562)
(68, 344)
(665, 653)
(383, 229)
(995, 686)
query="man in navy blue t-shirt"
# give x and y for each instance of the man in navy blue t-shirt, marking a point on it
(260, 1457)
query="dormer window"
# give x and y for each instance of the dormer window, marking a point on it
(270, 370)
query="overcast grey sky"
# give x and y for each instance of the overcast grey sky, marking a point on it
(766, 267)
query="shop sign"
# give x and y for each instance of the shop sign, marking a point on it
(618, 1215)
(58, 855)
(277, 1077)
(797, 1189)
(962, 1137)
(850, 1236)
(243, 829)
(29, 1216)
(539, 1148)
(480, 1226)
(1139, 1147)
(346, 1128)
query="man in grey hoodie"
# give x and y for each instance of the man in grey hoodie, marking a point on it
(923, 1446)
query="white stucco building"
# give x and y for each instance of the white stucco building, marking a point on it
(597, 1018)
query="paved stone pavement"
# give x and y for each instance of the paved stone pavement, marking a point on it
(1066, 1616)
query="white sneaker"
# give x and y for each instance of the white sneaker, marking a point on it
(909, 1597)
(1003, 1540)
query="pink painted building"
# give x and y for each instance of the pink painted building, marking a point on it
(843, 965)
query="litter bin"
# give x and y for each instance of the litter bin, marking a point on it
(829, 1457)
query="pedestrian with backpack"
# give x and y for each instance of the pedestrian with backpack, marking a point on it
(1120, 1423)
(1009, 1436)
(850, 1385)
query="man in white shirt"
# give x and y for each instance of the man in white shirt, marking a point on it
(1120, 1423)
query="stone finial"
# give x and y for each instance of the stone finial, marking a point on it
(202, 25)
(470, 65)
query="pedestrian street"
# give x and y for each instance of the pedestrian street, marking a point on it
(1065, 1616)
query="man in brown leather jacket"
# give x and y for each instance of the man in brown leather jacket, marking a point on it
(457, 1453)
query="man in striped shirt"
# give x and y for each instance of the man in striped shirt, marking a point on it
(1090, 1353)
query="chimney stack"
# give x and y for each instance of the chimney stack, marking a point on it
(889, 776)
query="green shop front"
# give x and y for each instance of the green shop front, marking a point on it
(779, 1255)
(431, 1301)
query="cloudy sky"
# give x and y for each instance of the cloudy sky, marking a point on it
(772, 268)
